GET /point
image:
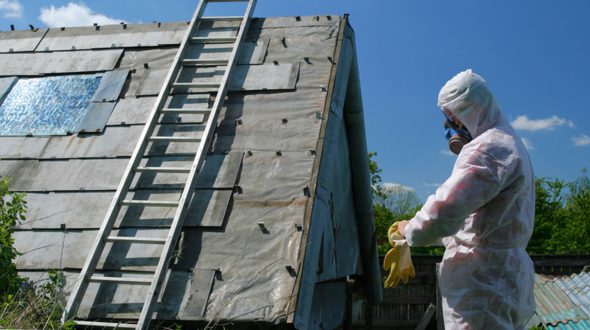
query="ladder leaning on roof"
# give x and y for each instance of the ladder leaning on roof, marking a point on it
(134, 169)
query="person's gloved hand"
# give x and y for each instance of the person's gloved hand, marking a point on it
(398, 259)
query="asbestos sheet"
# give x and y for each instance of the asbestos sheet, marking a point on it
(114, 36)
(151, 82)
(252, 52)
(127, 299)
(265, 77)
(60, 62)
(132, 110)
(96, 117)
(113, 142)
(268, 177)
(287, 121)
(219, 171)
(110, 86)
(22, 147)
(297, 44)
(5, 86)
(86, 210)
(294, 21)
(20, 41)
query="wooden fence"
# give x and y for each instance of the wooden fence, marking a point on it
(404, 306)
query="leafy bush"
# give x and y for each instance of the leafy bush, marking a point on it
(24, 305)
(12, 212)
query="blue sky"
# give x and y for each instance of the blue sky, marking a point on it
(533, 53)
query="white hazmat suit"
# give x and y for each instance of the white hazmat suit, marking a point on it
(484, 214)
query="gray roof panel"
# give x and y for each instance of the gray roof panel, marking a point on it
(35, 64)
(20, 41)
(96, 117)
(110, 86)
(113, 36)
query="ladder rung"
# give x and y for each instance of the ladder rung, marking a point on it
(140, 240)
(222, 18)
(187, 111)
(197, 62)
(149, 203)
(227, 0)
(213, 40)
(174, 139)
(106, 324)
(163, 169)
(195, 85)
(121, 280)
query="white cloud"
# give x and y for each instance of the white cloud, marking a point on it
(528, 144)
(74, 14)
(11, 8)
(543, 124)
(389, 187)
(581, 140)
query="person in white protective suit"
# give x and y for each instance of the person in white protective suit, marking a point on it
(483, 213)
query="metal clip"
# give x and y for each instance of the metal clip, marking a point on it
(263, 228)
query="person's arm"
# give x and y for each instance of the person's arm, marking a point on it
(474, 182)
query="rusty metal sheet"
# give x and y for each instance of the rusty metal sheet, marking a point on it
(114, 36)
(33, 64)
(20, 41)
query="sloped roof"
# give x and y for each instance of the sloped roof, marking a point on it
(564, 302)
(245, 237)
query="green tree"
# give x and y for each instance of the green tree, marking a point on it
(393, 203)
(12, 211)
(562, 217)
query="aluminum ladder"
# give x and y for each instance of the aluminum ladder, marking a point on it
(134, 169)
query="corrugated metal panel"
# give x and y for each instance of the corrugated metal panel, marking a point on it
(59, 62)
(20, 41)
(564, 299)
(580, 325)
(113, 36)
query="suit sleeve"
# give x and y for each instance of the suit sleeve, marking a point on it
(475, 180)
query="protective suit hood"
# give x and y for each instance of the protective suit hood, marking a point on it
(467, 96)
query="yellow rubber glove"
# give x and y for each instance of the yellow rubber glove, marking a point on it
(398, 259)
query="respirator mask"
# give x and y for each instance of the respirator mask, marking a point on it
(457, 135)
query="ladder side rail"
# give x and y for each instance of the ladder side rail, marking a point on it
(115, 206)
(176, 226)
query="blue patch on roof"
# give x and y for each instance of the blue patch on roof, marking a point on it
(47, 106)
